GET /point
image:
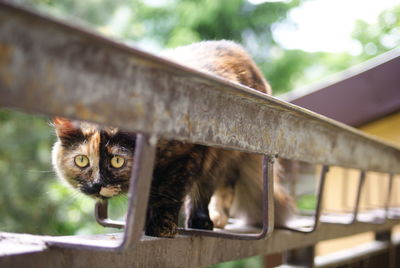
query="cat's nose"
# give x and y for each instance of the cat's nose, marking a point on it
(96, 186)
(93, 188)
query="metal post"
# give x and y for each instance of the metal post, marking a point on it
(318, 208)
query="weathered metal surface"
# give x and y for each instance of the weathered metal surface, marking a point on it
(183, 251)
(12, 244)
(51, 68)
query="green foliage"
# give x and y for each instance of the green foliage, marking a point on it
(381, 37)
(252, 262)
(307, 202)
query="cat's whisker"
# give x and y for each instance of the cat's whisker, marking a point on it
(40, 171)
(159, 194)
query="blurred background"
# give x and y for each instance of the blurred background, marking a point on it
(295, 43)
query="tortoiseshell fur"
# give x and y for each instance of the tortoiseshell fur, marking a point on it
(228, 182)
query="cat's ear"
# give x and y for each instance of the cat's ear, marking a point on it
(68, 131)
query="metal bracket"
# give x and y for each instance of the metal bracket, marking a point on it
(373, 217)
(268, 212)
(339, 219)
(310, 229)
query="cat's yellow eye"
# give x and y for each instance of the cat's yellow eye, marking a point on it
(117, 161)
(81, 161)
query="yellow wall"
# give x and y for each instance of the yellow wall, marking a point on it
(387, 128)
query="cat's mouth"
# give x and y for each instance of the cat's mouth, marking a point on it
(110, 191)
(102, 192)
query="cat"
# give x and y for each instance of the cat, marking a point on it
(214, 183)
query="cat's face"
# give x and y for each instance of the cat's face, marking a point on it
(98, 162)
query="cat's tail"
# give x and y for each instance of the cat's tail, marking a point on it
(247, 202)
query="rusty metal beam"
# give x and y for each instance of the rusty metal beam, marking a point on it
(183, 251)
(52, 68)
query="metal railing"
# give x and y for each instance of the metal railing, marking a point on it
(49, 67)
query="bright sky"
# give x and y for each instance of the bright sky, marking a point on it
(326, 25)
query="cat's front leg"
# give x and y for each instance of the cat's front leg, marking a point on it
(220, 204)
(169, 187)
(162, 217)
(196, 206)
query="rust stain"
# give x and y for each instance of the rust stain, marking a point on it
(50, 72)
(5, 54)
(6, 75)
(186, 120)
(84, 112)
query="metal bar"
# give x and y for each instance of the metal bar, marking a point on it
(101, 215)
(373, 216)
(52, 68)
(341, 220)
(358, 197)
(389, 193)
(318, 208)
(139, 189)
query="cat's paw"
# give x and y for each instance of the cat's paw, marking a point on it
(162, 228)
(200, 221)
(220, 219)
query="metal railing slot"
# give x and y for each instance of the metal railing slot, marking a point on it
(377, 215)
(268, 211)
(101, 213)
(348, 218)
(297, 224)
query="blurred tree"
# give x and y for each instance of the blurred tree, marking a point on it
(153, 25)
(171, 23)
(381, 37)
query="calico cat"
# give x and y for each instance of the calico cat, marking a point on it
(98, 161)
